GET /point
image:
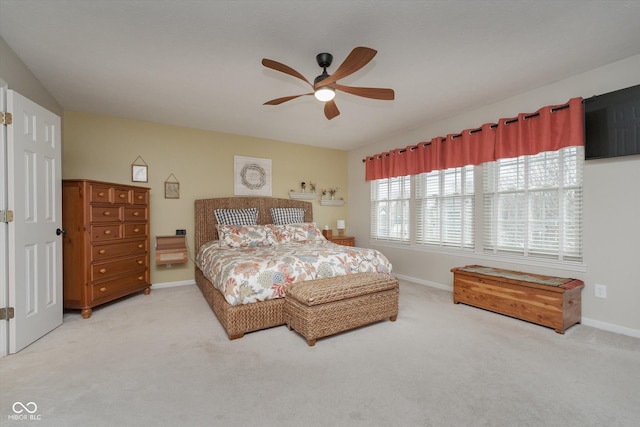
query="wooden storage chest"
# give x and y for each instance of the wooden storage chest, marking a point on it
(545, 300)
(106, 246)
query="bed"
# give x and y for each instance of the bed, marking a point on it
(242, 311)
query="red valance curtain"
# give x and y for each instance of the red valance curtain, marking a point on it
(548, 129)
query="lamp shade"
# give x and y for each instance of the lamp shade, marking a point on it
(341, 225)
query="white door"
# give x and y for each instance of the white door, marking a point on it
(34, 193)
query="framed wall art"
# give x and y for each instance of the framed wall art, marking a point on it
(172, 188)
(252, 176)
(139, 170)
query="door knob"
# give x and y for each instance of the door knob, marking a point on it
(60, 231)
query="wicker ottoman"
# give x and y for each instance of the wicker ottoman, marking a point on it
(323, 307)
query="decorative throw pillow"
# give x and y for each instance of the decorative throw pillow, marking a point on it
(242, 236)
(303, 232)
(281, 216)
(237, 216)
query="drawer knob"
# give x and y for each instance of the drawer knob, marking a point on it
(101, 194)
(140, 197)
(140, 277)
(122, 196)
(140, 246)
(106, 213)
(102, 252)
(103, 289)
(140, 262)
(136, 230)
(136, 213)
(103, 270)
(107, 232)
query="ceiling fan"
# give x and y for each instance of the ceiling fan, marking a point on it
(325, 85)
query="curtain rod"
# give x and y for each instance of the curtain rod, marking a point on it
(472, 131)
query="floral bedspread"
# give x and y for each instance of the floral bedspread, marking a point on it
(250, 274)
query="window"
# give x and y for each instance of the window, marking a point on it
(533, 205)
(529, 206)
(444, 208)
(390, 199)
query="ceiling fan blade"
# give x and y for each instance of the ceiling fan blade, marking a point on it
(367, 92)
(279, 101)
(358, 58)
(331, 109)
(274, 65)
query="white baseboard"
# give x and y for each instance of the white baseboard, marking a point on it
(585, 321)
(611, 327)
(172, 284)
(425, 282)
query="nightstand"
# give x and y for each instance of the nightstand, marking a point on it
(344, 240)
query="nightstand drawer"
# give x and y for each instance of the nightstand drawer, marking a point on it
(344, 240)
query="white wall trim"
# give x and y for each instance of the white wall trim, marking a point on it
(611, 327)
(172, 284)
(585, 321)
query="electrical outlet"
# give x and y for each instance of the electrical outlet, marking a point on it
(601, 291)
(181, 232)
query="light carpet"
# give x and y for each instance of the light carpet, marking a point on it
(164, 360)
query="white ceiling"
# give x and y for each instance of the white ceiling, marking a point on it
(197, 63)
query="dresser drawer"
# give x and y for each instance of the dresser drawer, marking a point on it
(121, 286)
(121, 195)
(140, 197)
(105, 214)
(105, 232)
(104, 252)
(107, 270)
(135, 230)
(135, 213)
(101, 194)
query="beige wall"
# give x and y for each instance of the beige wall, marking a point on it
(18, 77)
(611, 205)
(103, 148)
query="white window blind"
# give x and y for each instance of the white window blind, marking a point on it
(445, 208)
(390, 199)
(533, 205)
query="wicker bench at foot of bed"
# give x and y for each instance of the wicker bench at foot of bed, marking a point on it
(323, 307)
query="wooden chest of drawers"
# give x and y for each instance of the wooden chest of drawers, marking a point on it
(106, 246)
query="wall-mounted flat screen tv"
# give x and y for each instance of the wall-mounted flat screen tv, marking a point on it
(612, 124)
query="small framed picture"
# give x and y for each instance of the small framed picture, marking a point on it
(139, 173)
(171, 190)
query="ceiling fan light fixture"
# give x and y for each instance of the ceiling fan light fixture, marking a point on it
(324, 94)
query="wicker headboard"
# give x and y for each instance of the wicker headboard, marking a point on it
(205, 219)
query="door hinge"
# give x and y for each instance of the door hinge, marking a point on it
(6, 118)
(6, 313)
(6, 216)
